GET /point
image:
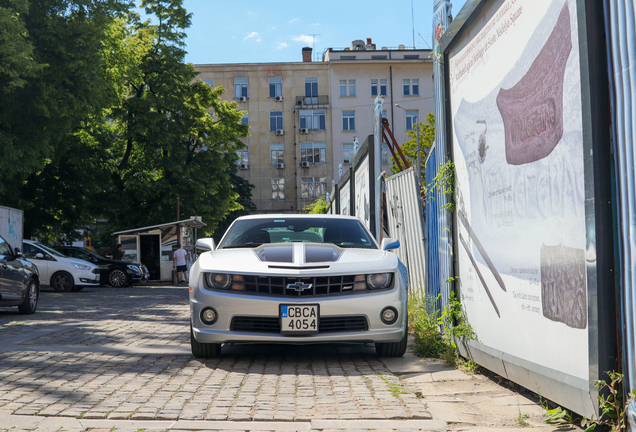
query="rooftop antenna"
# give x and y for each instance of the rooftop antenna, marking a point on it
(413, 23)
(313, 49)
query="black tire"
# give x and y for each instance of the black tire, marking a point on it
(62, 282)
(204, 350)
(117, 278)
(31, 296)
(392, 349)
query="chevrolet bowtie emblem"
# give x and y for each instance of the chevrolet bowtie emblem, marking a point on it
(299, 286)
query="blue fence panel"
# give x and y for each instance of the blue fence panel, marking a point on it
(432, 232)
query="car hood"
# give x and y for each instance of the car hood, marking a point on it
(75, 261)
(112, 261)
(296, 258)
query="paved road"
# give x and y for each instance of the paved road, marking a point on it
(105, 353)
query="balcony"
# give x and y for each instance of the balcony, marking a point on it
(312, 101)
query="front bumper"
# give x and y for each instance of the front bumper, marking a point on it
(86, 277)
(229, 306)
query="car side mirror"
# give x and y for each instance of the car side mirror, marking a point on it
(39, 255)
(18, 253)
(207, 244)
(389, 243)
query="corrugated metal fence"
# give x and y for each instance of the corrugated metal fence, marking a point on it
(620, 18)
(404, 212)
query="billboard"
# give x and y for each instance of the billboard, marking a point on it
(345, 198)
(362, 192)
(526, 218)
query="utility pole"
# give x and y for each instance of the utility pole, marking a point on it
(178, 227)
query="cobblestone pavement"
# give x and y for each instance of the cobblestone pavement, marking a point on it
(104, 353)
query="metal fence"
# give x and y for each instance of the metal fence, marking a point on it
(404, 211)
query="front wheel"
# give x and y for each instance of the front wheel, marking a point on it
(62, 282)
(30, 303)
(204, 350)
(392, 349)
(117, 278)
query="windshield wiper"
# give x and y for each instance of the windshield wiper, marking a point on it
(246, 245)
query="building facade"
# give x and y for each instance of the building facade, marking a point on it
(303, 116)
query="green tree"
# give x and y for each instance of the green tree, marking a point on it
(427, 139)
(161, 139)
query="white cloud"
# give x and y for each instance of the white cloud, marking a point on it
(282, 45)
(253, 35)
(304, 38)
(293, 20)
(316, 24)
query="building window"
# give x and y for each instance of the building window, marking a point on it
(275, 87)
(347, 87)
(411, 119)
(378, 85)
(311, 90)
(209, 81)
(244, 157)
(277, 152)
(378, 57)
(313, 152)
(342, 57)
(386, 157)
(245, 119)
(349, 120)
(278, 188)
(411, 87)
(240, 87)
(312, 119)
(275, 121)
(411, 57)
(347, 153)
(313, 187)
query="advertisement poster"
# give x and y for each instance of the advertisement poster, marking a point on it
(345, 199)
(515, 92)
(361, 188)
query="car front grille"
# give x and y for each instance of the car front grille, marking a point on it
(283, 286)
(325, 324)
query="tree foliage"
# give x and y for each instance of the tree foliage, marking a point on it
(104, 118)
(427, 139)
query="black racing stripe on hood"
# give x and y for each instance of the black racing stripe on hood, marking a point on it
(275, 252)
(322, 253)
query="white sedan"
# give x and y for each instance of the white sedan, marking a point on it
(59, 271)
(298, 279)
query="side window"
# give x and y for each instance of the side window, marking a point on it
(29, 251)
(5, 249)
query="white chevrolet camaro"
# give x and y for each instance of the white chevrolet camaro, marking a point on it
(298, 279)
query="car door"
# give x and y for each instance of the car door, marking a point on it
(11, 285)
(38, 257)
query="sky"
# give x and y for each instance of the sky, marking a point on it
(256, 31)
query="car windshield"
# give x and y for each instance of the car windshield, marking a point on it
(346, 233)
(50, 251)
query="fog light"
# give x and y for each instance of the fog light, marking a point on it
(389, 315)
(208, 316)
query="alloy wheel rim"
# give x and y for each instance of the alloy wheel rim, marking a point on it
(117, 278)
(33, 296)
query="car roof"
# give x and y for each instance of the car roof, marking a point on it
(290, 215)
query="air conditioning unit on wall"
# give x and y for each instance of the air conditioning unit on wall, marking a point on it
(300, 102)
(304, 130)
(280, 132)
(278, 98)
(244, 166)
(304, 164)
(243, 99)
(280, 165)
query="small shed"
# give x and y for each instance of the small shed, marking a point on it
(153, 245)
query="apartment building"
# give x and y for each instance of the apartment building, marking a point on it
(303, 115)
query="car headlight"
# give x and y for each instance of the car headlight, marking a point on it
(379, 280)
(225, 281)
(134, 268)
(82, 266)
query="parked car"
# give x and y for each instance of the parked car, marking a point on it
(19, 280)
(298, 279)
(112, 272)
(59, 271)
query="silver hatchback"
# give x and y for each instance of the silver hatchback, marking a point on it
(298, 279)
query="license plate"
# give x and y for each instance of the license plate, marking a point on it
(299, 319)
